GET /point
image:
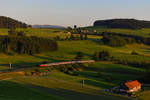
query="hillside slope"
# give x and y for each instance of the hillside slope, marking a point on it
(123, 23)
(6, 22)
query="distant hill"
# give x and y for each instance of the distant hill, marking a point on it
(123, 23)
(48, 26)
(6, 22)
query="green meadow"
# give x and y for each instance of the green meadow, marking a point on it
(145, 32)
(60, 86)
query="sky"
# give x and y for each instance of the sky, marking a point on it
(73, 12)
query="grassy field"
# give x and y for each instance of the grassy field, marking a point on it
(46, 33)
(139, 32)
(60, 86)
(68, 50)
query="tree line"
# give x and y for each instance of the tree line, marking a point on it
(123, 23)
(119, 39)
(26, 45)
(105, 55)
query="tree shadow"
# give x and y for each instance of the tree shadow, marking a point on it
(16, 91)
(48, 58)
(85, 54)
(93, 79)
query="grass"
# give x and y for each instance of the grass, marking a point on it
(70, 87)
(59, 86)
(13, 91)
(67, 51)
(144, 95)
(45, 33)
(139, 32)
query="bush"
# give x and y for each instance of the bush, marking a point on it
(104, 55)
(41, 70)
(134, 53)
(69, 72)
(114, 41)
(79, 56)
(99, 74)
(70, 69)
(96, 56)
(28, 73)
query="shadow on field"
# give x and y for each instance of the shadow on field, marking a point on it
(5, 65)
(21, 91)
(73, 95)
(114, 70)
(95, 40)
(48, 58)
(94, 80)
(85, 54)
(14, 91)
(22, 64)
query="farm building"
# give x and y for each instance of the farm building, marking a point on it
(130, 86)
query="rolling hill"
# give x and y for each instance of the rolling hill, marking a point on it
(123, 23)
(6, 22)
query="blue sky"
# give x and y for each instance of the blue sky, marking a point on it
(70, 12)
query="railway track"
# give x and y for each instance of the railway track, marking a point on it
(49, 65)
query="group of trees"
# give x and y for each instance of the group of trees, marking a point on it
(6, 22)
(105, 55)
(79, 56)
(71, 69)
(102, 55)
(77, 37)
(123, 23)
(83, 34)
(17, 42)
(119, 39)
(26, 45)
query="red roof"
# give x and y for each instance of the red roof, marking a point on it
(132, 84)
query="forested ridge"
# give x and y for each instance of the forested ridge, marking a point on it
(123, 23)
(6, 22)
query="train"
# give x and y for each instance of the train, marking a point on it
(66, 63)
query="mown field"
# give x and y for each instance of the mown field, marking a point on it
(60, 86)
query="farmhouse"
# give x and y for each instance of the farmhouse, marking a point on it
(130, 86)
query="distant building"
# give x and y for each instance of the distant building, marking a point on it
(69, 33)
(130, 86)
